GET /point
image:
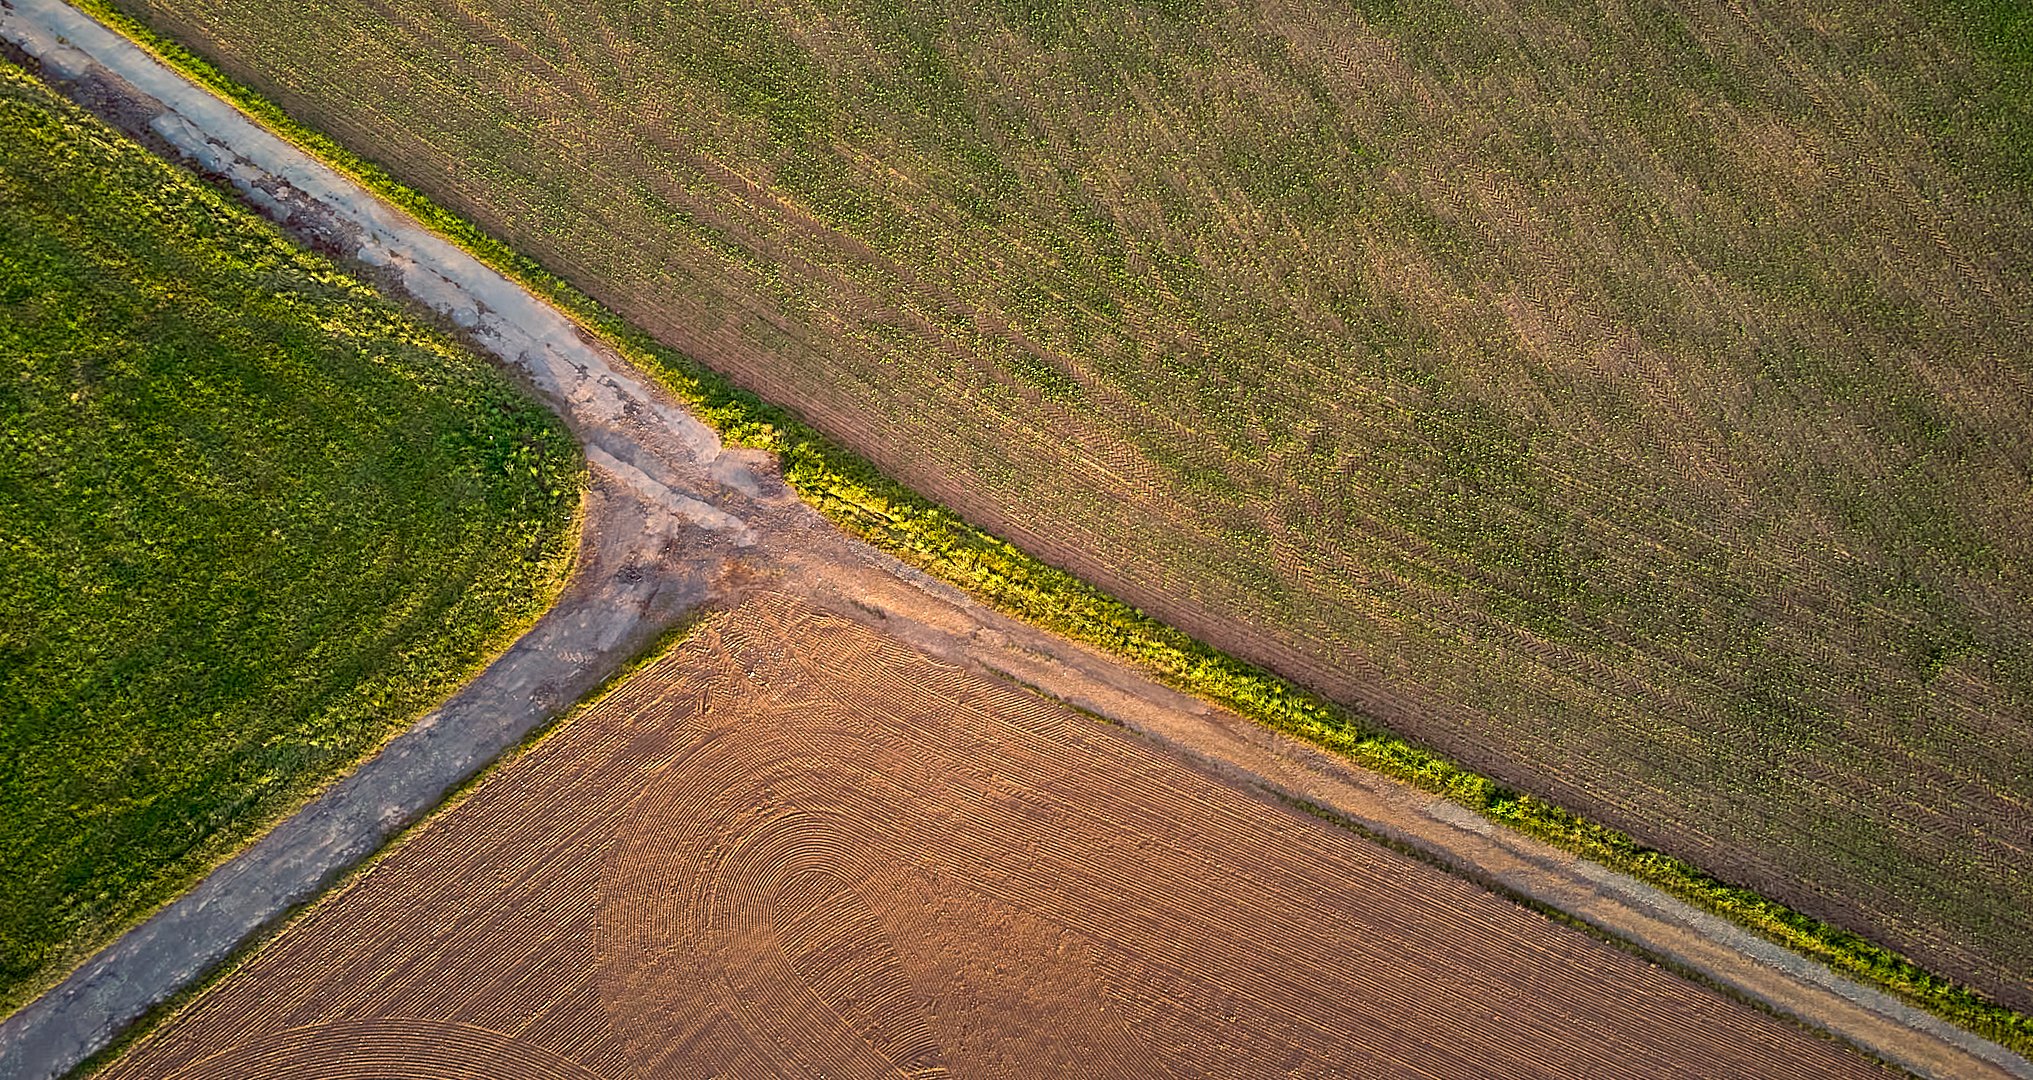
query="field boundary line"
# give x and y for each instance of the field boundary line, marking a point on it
(856, 496)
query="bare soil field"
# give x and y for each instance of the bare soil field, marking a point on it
(1631, 402)
(795, 847)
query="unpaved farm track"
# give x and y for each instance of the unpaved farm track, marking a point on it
(678, 522)
(795, 847)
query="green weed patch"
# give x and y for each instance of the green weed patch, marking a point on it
(253, 519)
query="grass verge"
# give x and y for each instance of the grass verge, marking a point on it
(859, 498)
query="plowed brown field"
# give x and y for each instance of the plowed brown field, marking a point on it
(797, 848)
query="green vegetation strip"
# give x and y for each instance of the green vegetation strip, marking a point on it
(855, 495)
(254, 519)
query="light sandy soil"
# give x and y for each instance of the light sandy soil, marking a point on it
(798, 847)
(678, 522)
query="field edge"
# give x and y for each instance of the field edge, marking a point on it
(856, 496)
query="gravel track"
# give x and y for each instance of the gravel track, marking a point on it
(675, 522)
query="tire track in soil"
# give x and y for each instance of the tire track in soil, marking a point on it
(677, 522)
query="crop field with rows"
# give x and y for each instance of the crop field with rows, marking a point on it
(795, 847)
(253, 519)
(1632, 401)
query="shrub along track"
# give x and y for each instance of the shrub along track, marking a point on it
(681, 521)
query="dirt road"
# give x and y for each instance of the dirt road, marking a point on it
(678, 521)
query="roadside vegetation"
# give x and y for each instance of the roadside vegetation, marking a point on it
(253, 519)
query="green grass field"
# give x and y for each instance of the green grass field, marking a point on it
(253, 519)
(1630, 402)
